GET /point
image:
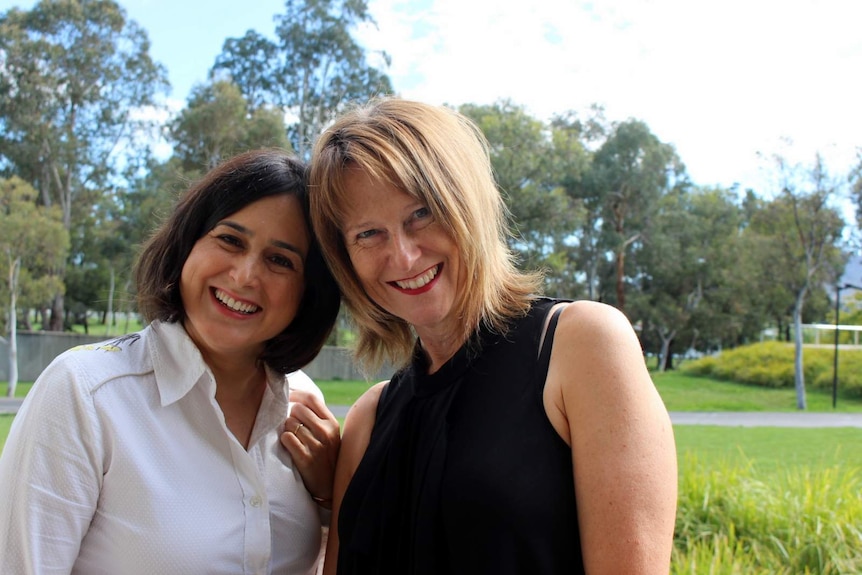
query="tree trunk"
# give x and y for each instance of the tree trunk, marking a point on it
(799, 378)
(621, 292)
(109, 314)
(666, 355)
(57, 313)
(13, 327)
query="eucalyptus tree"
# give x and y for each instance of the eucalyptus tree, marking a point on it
(804, 231)
(312, 69)
(522, 157)
(218, 122)
(33, 244)
(629, 173)
(574, 140)
(684, 268)
(75, 78)
(855, 180)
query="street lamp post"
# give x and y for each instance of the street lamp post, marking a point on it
(838, 288)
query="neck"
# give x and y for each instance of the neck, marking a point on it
(440, 350)
(442, 342)
(239, 393)
(237, 378)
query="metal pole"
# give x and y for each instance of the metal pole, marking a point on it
(835, 364)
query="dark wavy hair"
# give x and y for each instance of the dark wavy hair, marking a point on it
(226, 189)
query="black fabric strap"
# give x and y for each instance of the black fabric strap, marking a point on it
(548, 341)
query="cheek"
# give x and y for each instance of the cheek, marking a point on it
(366, 273)
(362, 262)
(291, 292)
(185, 278)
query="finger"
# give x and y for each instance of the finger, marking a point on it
(324, 428)
(312, 401)
(301, 454)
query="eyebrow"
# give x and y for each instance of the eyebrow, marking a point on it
(277, 243)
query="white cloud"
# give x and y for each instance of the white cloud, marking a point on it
(722, 81)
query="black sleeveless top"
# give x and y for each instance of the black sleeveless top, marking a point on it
(464, 473)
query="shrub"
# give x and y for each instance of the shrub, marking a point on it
(771, 364)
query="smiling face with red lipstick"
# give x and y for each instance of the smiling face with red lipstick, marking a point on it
(404, 259)
(408, 215)
(243, 280)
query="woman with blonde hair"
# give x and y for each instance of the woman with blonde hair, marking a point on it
(521, 434)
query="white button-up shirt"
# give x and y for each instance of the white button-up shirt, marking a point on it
(119, 462)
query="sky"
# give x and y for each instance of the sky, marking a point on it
(729, 84)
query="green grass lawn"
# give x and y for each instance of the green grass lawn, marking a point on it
(687, 393)
(768, 449)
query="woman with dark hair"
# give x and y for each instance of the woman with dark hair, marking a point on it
(522, 434)
(195, 445)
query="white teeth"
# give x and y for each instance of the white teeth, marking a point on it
(233, 304)
(417, 283)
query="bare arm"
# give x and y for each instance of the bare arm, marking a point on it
(357, 432)
(602, 401)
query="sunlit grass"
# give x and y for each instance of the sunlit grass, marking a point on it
(682, 392)
(736, 517)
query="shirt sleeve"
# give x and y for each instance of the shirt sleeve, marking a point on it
(50, 473)
(299, 380)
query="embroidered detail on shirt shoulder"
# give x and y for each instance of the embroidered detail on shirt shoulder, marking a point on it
(113, 345)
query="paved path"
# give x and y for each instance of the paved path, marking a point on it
(732, 419)
(767, 419)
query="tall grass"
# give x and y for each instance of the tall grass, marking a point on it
(768, 500)
(732, 518)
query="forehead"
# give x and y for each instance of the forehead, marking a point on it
(360, 187)
(278, 218)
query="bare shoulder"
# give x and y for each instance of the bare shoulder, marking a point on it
(359, 422)
(366, 406)
(594, 321)
(597, 342)
(597, 369)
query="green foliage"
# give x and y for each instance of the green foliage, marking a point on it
(33, 246)
(216, 124)
(313, 69)
(733, 518)
(72, 75)
(523, 157)
(74, 81)
(771, 364)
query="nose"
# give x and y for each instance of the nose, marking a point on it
(405, 250)
(245, 271)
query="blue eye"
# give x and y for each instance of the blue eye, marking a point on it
(366, 234)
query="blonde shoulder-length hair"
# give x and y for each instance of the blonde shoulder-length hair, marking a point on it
(441, 158)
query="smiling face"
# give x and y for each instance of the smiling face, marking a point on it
(405, 261)
(243, 281)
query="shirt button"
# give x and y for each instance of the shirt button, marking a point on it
(255, 501)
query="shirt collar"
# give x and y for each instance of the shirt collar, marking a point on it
(177, 362)
(179, 366)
